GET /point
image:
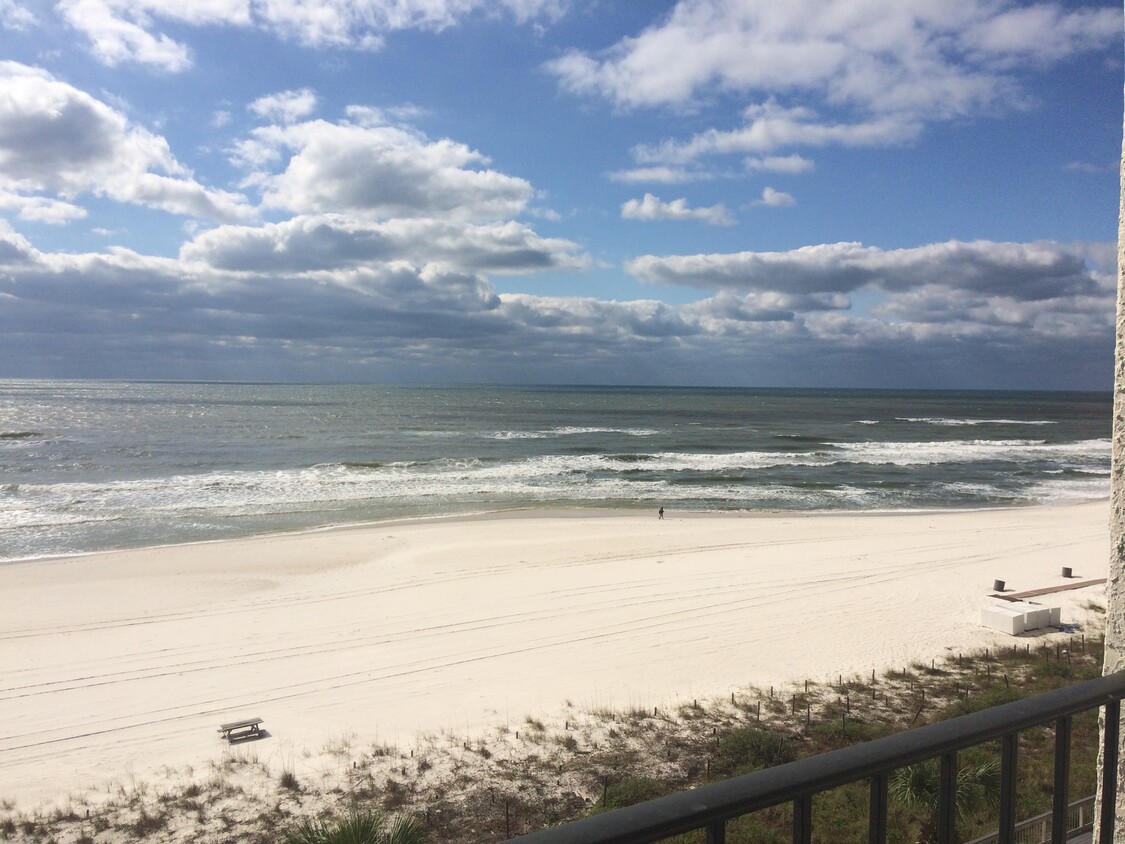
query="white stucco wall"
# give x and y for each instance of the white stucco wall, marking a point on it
(1115, 588)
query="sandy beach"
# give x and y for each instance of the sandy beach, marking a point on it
(119, 666)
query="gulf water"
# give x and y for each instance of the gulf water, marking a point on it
(88, 466)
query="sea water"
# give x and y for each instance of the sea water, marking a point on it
(88, 466)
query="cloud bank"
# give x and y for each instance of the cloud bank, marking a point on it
(330, 296)
(859, 74)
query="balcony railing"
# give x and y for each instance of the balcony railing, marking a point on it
(1037, 830)
(711, 806)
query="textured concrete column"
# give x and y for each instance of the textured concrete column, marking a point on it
(1115, 588)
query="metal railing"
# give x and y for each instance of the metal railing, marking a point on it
(709, 807)
(1037, 830)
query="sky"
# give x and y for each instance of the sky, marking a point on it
(868, 193)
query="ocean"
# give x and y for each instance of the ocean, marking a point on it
(89, 466)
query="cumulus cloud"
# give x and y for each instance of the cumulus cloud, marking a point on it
(653, 208)
(775, 198)
(15, 250)
(116, 35)
(768, 306)
(285, 106)
(878, 69)
(57, 139)
(333, 242)
(41, 209)
(130, 30)
(376, 171)
(1025, 272)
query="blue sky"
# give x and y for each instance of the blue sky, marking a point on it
(873, 193)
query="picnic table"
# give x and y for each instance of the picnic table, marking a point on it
(236, 730)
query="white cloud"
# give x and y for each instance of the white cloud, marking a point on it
(15, 16)
(332, 242)
(875, 54)
(118, 35)
(377, 172)
(129, 30)
(15, 249)
(285, 106)
(775, 198)
(660, 174)
(403, 115)
(41, 209)
(362, 24)
(1025, 272)
(1042, 33)
(791, 164)
(876, 70)
(653, 208)
(770, 127)
(543, 213)
(57, 139)
(767, 306)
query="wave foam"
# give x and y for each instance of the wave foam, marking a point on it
(956, 422)
(569, 431)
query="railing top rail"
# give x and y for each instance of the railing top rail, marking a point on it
(695, 809)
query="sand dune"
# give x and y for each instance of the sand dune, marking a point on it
(118, 665)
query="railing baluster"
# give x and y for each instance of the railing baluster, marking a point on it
(947, 796)
(1009, 756)
(802, 819)
(1061, 797)
(877, 813)
(1111, 734)
(717, 832)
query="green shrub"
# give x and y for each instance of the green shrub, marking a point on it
(834, 734)
(633, 790)
(994, 696)
(750, 749)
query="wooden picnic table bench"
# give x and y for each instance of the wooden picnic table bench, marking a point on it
(240, 729)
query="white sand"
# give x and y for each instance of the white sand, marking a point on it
(115, 666)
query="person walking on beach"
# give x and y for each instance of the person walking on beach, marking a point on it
(660, 513)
